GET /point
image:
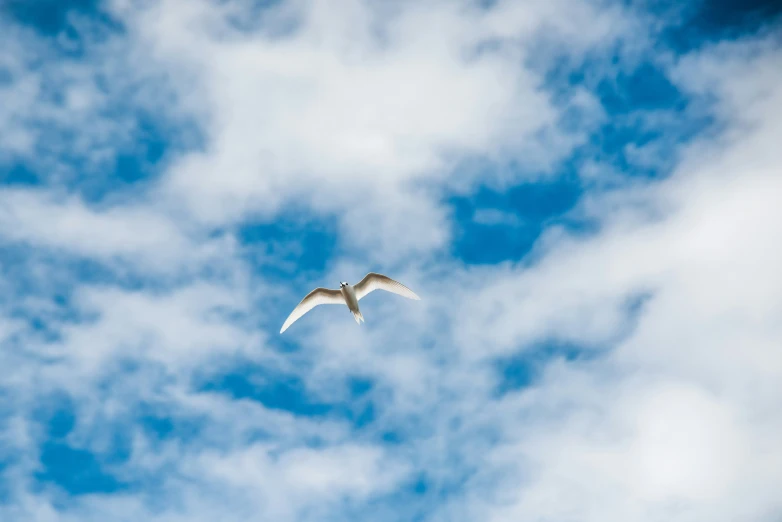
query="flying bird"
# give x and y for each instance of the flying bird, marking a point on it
(348, 295)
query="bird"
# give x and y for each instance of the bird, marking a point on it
(348, 295)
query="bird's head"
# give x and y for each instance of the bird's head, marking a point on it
(343, 284)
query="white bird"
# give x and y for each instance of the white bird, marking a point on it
(348, 295)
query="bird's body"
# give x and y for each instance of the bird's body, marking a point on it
(348, 295)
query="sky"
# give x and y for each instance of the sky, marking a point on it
(584, 193)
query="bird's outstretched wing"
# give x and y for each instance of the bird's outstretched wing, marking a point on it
(373, 281)
(317, 297)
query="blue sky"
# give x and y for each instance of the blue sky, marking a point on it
(584, 194)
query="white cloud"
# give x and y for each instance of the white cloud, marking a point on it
(359, 105)
(138, 234)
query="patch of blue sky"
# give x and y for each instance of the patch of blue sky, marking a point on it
(75, 470)
(279, 392)
(707, 21)
(644, 88)
(359, 386)
(288, 393)
(54, 17)
(58, 416)
(300, 244)
(18, 174)
(492, 226)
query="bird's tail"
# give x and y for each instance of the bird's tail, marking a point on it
(358, 317)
